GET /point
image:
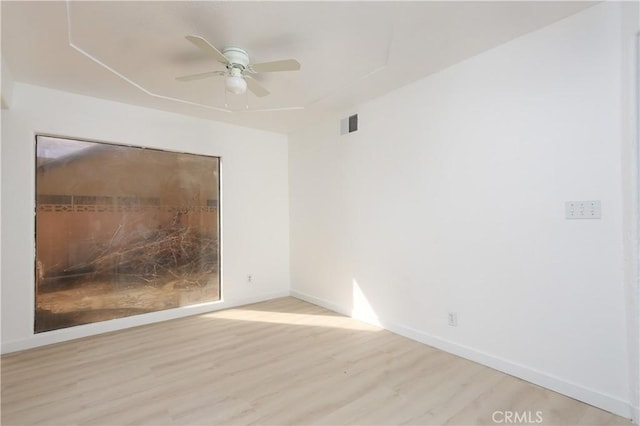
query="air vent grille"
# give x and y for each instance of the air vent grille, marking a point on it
(353, 123)
(349, 124)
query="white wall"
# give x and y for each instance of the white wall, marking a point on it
(7, 86)
(451, 197)
(255, 221)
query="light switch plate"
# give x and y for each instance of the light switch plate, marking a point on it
(583, 209)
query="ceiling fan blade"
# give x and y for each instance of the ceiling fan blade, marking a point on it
(283, 65)
(206, 46)
(255, 87)
(200, 76)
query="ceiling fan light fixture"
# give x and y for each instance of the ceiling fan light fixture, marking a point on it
(236, 84)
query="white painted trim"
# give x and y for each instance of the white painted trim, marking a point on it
(65, 334)
(554, 383)
(635, 315)
(320, 302)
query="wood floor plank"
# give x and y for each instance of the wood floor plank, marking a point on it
(282, 361)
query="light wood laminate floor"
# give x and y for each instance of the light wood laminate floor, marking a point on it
(282, 361)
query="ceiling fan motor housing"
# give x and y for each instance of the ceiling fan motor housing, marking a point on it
(236, 57)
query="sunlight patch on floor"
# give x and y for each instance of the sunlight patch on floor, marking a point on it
(239, 314)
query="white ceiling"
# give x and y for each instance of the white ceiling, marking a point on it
(350, 51)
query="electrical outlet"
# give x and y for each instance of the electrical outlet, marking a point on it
(453, 319)
(583, 209)
(249, 278)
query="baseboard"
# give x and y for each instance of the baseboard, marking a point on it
(636, 415)
(86, 330)
(548, 381)
(320, 302)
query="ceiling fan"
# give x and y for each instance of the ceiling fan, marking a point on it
(238, 78)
